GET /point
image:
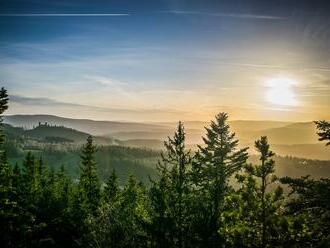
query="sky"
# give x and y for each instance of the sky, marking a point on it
(167, 60)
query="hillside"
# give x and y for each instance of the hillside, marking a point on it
(311, 151)
(288, 138)
(61, 146)
(46, 133)
(132, 129)
(125, 160)
(142, 162)
(84, 125)
(43, 132)
(142, 143)
(12, 132)
(296, 133)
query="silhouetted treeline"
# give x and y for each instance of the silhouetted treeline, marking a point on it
(191, 203)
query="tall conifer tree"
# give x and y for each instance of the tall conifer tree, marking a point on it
(89, 181)
(173, 187)
(6, 203)
(216, 162)
(3, 107)
(269, 201)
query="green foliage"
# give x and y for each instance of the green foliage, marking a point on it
(191, 202)
(57, 140)
(311, 201)
(48, 133)
(172, 191)
(121, 222)
(258, 214)
(7, 201)
(111, 189)
(89, 181)
(214, 164)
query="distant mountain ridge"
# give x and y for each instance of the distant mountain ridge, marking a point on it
(287, 138)
(287, 133)
(84, 125)
(96, 127)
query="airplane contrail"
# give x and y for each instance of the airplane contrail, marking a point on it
(232, 15)
(63, 14)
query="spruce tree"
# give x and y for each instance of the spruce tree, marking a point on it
(134, 208)
(215, 163)
(269, 202)
(323, 128)
(179, 159)
(111, 189)
(310, 201)
(7, 203)
(253, 216)
(161, 221)
(89, 182)
(169, 195)
(263, 171)
(29, 173)
(3, 107)
(16, 176)
(5, 169)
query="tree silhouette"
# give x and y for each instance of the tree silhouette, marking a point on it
(89, 182)
(215, 163)
(323, 131)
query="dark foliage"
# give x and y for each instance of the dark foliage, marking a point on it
(323, 131)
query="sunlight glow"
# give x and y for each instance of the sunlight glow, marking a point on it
(280, 91)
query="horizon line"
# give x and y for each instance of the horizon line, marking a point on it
(150, 121)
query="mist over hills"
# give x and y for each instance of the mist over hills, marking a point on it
(84, 125)
(106, 127)
(287, 138)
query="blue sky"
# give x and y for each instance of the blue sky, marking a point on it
(165, 60)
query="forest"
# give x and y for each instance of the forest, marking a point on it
(212, 197)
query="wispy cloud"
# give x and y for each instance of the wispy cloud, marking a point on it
(231, 15)
(64, 14)
(39, 101)
(274, 66)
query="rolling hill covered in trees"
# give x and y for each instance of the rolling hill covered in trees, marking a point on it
(58, 145)
(288, 139)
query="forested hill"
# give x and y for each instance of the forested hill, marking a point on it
(46, 133)
(53, 145)
(296, 139)
(60, 145)
(84, 125)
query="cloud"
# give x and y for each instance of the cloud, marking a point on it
(39, 101)
(64, 14)
(230, 15)
(106, 81)
(47, 102)
(274, 66)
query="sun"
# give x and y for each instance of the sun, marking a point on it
(280, 91)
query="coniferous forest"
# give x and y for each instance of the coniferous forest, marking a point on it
(209, 198)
